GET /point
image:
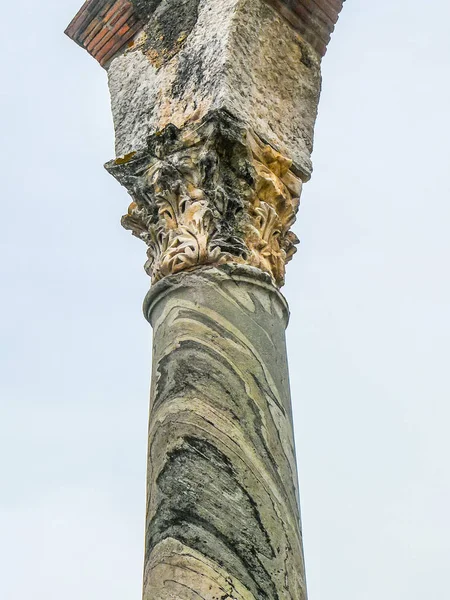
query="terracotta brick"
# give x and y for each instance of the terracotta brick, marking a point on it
(120, 43)
(104, 27)
(313, 19)
(111, 27)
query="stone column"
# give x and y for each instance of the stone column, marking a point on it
(214, 104)
(223, 511)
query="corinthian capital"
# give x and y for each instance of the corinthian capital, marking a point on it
(210, 193)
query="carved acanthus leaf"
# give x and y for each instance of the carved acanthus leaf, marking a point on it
(211, 194)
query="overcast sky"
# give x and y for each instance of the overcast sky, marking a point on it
(369, 338)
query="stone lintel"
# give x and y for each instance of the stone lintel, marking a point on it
(107, 27)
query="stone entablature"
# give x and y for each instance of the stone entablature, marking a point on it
(210, 194)
(106, 27)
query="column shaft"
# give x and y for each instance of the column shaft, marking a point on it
(223, 510)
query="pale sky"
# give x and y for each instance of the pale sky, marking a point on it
(369, 338)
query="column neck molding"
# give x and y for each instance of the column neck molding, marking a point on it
(224, 274)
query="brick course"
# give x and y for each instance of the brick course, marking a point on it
(104, 27)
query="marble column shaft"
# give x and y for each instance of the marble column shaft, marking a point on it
(223, 506)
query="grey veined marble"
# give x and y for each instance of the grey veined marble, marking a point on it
(223, 507)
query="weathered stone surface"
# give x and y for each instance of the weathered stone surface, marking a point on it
(105, 27)
(238, 55)
(209, 194)
(223, 506)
